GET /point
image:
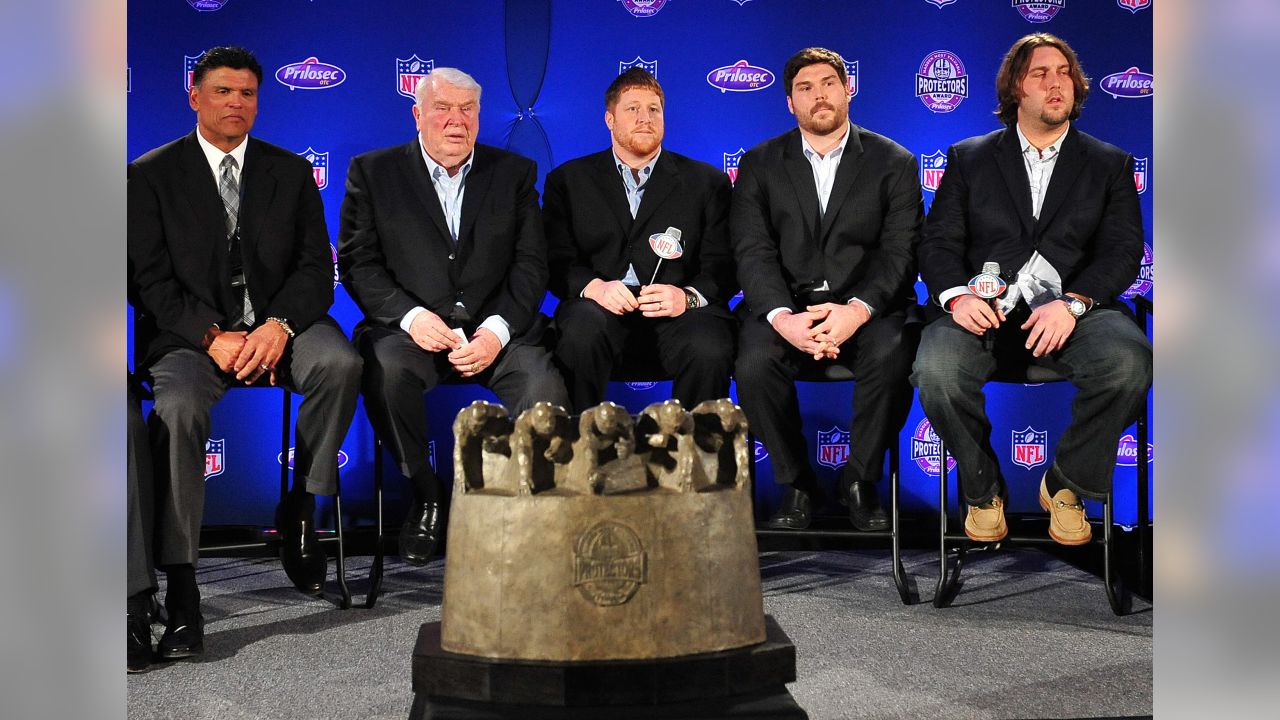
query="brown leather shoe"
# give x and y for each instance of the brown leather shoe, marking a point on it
(1067, 523)
(985, 523)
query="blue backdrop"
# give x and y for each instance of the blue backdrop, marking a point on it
(544, 65)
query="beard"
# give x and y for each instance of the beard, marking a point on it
(1054, 118)
(640, 143)
(809, 123)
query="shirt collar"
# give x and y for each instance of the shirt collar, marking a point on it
(1055, 146)
(432, 165)
(645, 171)
(836, 151)
(214, 155)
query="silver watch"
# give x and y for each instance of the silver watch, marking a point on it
(1075, 306)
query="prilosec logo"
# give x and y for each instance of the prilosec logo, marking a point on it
(208, 5)
(1039, 11)
(759, 452)
(924, 450)
(940, 3)
(1134, 6)
(319, 165)
(1145, 280)
(741, 76)
(311, 74)
(342, 458)
(337, 277)
(931, 169)
(649, 65)
(941, 83)
(731, 164)
(1132, 83)
(643, 8)
(1127, 452)
(409, 72)
(215, 455)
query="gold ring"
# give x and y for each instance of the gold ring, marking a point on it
(475, 366)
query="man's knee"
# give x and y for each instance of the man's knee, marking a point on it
(580, 324)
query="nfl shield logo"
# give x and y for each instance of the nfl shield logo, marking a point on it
(410, 72)
(833, 447)
(189, 69)
(319, 166)
(1134, 6)
(214, 455)
(731, 164)
(931, 169)
(1029, 447)
(851, 69)
(650, 65)
(1140, 174)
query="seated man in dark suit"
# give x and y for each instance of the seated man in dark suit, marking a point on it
(229, 267)
(825, 219)
(607, 215)
(1058, 211)
(441, 246)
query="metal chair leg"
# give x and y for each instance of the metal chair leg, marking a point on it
(342, 550)
(947, 581)
(899, 575)
(1117, 594)
(375, 570)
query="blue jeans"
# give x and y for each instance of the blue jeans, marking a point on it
(1107, 358)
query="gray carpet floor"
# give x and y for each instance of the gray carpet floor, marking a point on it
(1028, 636)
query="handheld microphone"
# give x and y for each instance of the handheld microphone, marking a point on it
(988, 285)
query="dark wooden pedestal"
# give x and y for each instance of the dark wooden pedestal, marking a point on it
(747, 682)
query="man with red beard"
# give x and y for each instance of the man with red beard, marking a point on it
(607, 216)
(1058, 211)
(824, 223)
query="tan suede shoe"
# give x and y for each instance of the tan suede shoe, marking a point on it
(1067, 523)
(985, 523)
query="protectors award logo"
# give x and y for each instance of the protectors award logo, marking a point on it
(651, 66)
(1134, 6)
(924, 450)
(833, 447)
(409, 72)
(215, 455)
(1140, 174)
(741, 76)
(310, 74)
(1132, 83)
(1145, 280)
(1030, 447)
(940, 3)
(1127, 452)
(609, 563)
(941, 83)
(189, 68)
(759, 452)
(931, 169)
(731, 164)
(342, 458)
(643, 8)
(851, 69)
(208, 5)
(319, 166)
(1039, 11)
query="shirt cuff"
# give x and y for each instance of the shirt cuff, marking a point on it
(499, 327)
(954, 292)
(863, 303)
(702, 301)
(774, 313)
(406, 322)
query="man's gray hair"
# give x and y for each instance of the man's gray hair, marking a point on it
(452, 76)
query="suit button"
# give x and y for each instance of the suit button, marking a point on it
(451, 256)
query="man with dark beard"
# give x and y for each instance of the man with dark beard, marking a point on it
(824, 223)
(1058, 211)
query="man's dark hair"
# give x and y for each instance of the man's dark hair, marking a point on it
(1014, 68)
(813, 56)
(236, 58)
(635, 77)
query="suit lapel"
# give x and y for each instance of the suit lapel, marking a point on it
(1014, 170)
(258, 189)
(1065, 170)
(475, 191)
(801, 174)
(610, 185)
(850, 163)
(662, 181)
(201, 191)
(415, 171)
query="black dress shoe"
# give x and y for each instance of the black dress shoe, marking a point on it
(182, 639)
(139, 657)
(300, 552)
(420, 534)
(795, 513)
(865, 511)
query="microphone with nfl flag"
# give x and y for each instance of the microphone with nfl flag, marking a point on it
(988, 285)
(666, 245)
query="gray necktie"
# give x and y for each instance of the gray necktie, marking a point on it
(229, 189)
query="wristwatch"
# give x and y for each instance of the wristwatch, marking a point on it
(690, 299)
(1075, 306)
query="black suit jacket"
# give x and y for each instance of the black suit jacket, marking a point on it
(1090, 225)
(591, 234)
(179, 264)
(862, 246)
(395, 251)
